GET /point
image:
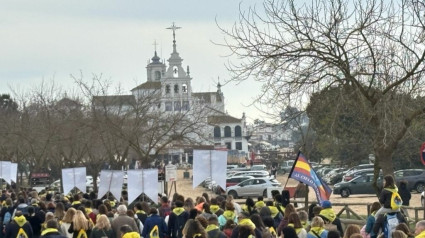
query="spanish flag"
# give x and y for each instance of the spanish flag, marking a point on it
(303, 172)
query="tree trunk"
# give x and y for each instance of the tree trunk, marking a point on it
(383, 160)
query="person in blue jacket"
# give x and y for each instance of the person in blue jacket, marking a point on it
(154, 220)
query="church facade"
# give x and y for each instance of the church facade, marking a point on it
(173, 83)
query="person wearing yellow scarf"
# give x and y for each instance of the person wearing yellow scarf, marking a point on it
(213, 230)
(19, 221)
(317, 228)
(274, 211)
(214, 208)
(51, 229)
(127, 232)
(420, 229)
(328, 213)
(294, 222)
(299, 230)
(246, 222)
(227, 215)
(260, 204)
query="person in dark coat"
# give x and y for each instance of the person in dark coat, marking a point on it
(35, 220)
(154, 220)
(177, 220)
(51, 230)
(17, 222)
(385, 197)
(244, 221)
(405, 195)
(213, 230)
(8, 207)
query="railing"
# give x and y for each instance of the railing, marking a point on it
(358, 219)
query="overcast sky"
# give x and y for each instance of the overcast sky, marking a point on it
(51, 40)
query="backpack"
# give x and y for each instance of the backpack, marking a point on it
(154, 233)
(396, 201)
(82, 234)
(21, 233)
(391, 222)
(7, 218)
(179, 224)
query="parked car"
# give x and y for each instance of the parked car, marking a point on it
(361, 166)
(252, 187)
(323, 171)
(231, 182)
(334, 176)
(361, 184)
(415, 178)
(231, 166)
(237, 179)
(354, 173)
(257, 174)
(258, 167)
(286, 166)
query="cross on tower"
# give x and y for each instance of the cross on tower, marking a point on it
(174, 28)
(155, 44)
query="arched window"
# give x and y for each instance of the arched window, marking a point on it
(175, 71)
(238, 131)
(157, 75)
(184, 88)
(217, 132)
(176, 88)
(227, 131)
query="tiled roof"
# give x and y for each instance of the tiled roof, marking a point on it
(207, 96)
(220, 119)
(116, 100)
(148, 85)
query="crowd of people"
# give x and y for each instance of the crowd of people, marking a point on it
(31, 215)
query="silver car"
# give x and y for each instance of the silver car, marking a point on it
(252, 187)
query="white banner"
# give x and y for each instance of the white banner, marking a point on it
(209, 163)
(5, 170)
(74, 177)
(142, 181)
(14, 172)
(150, 184)
(219, 164)
(112, 181)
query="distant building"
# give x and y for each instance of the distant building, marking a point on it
(172, 84)
(270, 136)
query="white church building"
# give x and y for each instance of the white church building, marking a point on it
(173, 81)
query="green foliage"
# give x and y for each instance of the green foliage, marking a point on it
(341, 121)
(342, 133)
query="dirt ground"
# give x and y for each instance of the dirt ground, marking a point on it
(184, 187)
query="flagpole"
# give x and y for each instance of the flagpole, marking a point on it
(211, 172)
(143, 184)
(292, 169)
(109, 186)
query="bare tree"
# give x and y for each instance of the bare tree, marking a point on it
(374, 46)
(139, 125)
